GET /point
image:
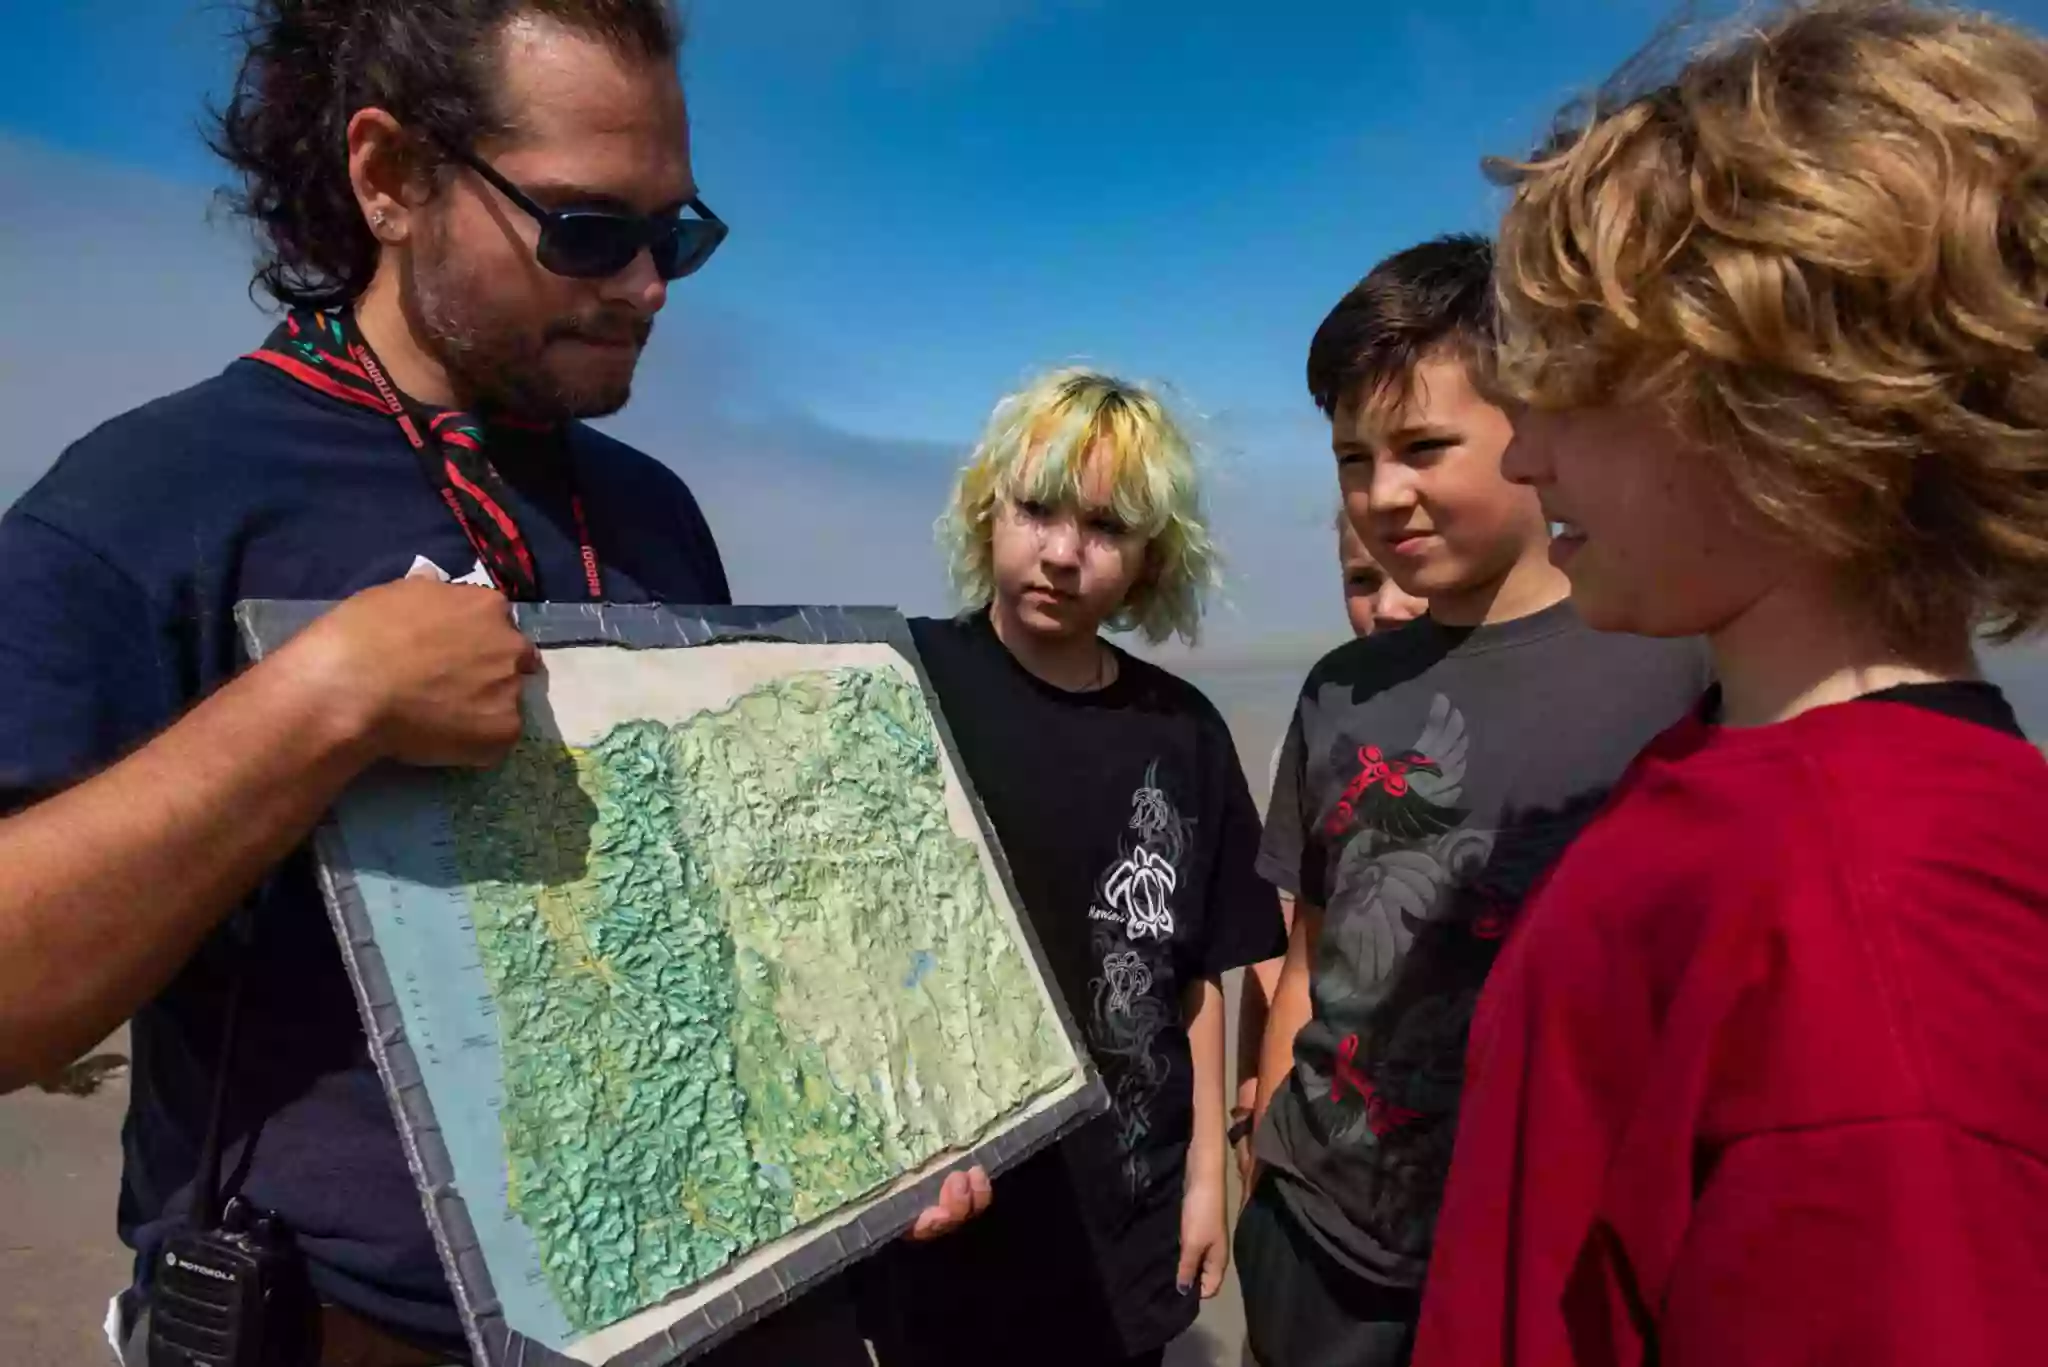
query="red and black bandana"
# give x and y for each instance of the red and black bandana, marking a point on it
(326, 351)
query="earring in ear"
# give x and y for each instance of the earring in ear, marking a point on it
(377, 221)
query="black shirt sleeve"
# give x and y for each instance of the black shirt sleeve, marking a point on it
(1290, 856)
(1243, 910)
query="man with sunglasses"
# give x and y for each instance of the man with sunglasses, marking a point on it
(472, 212)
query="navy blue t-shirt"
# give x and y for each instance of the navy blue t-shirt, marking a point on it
(119, 573)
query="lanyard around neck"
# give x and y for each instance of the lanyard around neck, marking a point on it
(439, 476)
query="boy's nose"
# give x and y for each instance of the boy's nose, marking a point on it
(1392, 489)
(1062, 543)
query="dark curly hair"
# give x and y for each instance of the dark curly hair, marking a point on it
(311, 65)
(1435, 293)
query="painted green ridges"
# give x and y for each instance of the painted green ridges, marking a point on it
(746, 972)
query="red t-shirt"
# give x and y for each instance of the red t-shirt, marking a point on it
(1762, 1077)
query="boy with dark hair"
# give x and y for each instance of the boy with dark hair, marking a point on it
(1760, 1080)
(1428, 777)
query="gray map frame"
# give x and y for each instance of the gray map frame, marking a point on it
(266, 624)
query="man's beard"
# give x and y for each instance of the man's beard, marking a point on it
(499, 365)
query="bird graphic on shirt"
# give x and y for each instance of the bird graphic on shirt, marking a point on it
(1404, 795)
(1402, 848)
(1397, 1024)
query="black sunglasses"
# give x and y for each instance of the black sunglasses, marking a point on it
(593, 244)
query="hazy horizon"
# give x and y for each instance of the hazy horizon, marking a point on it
(803, 511)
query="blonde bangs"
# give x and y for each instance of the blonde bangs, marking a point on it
(1072, 454)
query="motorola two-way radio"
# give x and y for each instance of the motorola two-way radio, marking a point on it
(229, 1289)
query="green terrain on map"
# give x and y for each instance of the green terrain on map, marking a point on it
(746, 972)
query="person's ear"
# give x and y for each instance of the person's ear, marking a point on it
(390, 177)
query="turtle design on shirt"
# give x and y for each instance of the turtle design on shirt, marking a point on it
(1138, 888)
(1134, 910)
(1127, 1018)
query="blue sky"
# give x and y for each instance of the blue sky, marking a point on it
(929, 199)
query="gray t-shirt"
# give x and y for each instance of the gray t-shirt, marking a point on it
(1430, 776)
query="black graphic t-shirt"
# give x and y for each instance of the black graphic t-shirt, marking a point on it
(1431, 775)
(1132, 836)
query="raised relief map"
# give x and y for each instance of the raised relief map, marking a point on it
(697, 994)
(778, 981)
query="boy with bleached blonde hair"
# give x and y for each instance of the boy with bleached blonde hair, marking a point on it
(1082, 441)
(1116, 793)
(1760, 1077)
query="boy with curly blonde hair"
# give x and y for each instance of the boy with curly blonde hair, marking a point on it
(1759, 1077)
(1116, 792)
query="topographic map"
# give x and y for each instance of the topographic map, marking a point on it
(777, 982)
(695, 998)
